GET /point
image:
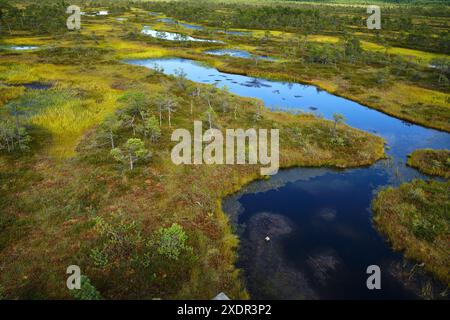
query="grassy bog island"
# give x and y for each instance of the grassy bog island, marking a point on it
(432, 162)
(415, 218)
(86, 175)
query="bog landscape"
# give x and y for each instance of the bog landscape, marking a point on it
(248, 149)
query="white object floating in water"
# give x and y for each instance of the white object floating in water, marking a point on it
(102, 13)
(267, 238)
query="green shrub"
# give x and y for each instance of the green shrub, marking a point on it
(172, 241)
(119, 240)
(99, 257)
(415, 217)
(153, 128)
(159, 261)
(78, 54)
(87, 291)
(13, 136)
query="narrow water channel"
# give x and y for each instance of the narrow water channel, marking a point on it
(318, 219)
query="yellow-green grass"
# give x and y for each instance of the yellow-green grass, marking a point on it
(433, 162)
(403, 100)
(48, 233)
(161, 193)
(417, 56)
(17, 73)
(415, 219)
(323, 39)
(25, 40)
(136, 50)
(400, 99)
(406, 101)
(9, 93)
(68, 121)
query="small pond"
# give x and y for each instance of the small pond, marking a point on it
(173, 36)
(319, 219)
(20, 48)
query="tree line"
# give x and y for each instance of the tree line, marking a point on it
(400, 25)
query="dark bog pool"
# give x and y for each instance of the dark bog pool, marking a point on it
(321, 237)
(32, 85)
(318, 219)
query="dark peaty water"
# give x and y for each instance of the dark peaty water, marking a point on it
(319, 221)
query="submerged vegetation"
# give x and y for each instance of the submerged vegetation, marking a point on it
(85, 170)
(415, 218)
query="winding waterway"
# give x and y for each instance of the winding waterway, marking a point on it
(318, 219)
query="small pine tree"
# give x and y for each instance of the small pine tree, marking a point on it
(109, 129)
(209, 115)
(170, 105)
(153, 128)
(181, 78)
(134, 150)
(337, 118)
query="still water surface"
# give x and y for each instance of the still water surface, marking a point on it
(318, 219)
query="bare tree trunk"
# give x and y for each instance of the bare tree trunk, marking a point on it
(9, 29)
(133, 127)
(131, 162)
(170, 123)
(12, 142)
(143, 122)
(7, 144)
